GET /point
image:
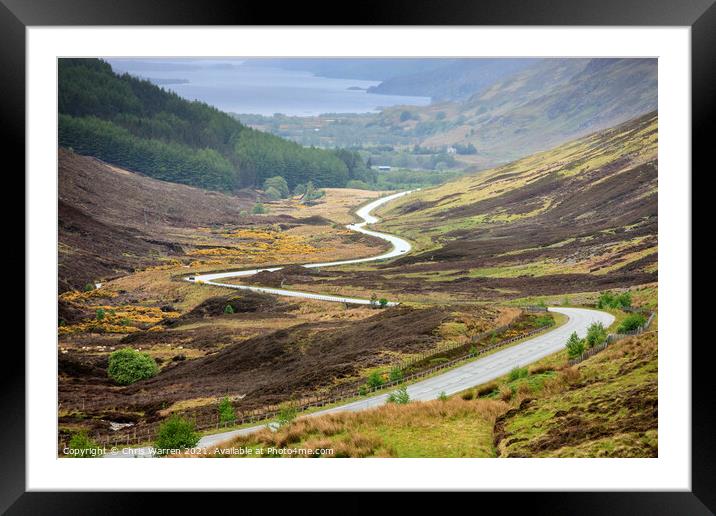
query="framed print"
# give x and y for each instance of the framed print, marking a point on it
(439, 246)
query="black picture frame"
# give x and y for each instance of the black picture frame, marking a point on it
(700, 15)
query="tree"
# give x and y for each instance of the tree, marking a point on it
(375, 380)
(596, 334)
(128, 366)
(286, 414)
(228, 309)
(99, 314)
(279, 184)
(575, 346)
(400, 396)
(395, 375)
(383, 302)
(273, 194)
(175, 434)
(226, 411)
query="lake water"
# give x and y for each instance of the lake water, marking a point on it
(237, 86)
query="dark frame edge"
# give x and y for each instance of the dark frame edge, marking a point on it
(12, 385)
(702, 498)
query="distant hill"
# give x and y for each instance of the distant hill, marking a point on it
(372, 69)
(543, 105)
(137, 125)
(456, 80)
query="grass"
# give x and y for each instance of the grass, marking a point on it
(451, 428)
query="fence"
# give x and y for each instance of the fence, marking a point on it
(611, 338)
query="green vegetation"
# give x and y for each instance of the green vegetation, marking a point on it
(279, 184)
(89, 287)
(395, 375)
(228, 309)
(383, 302)
(137, 125)
(286, 414)
(311, 193)
(609, 300)
(127, 366)
(517, 373)
(175, 434)
(442, 396)
(596, 334)
(400, 397)
(631, 322)
(259, 209)
(81, 446)
(99, 314)
(226, 411)
(375, 380)
(575, 346)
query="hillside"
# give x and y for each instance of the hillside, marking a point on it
(137, 125)
(112, 221)
(543, 105)
(457, 79)
(579, 218)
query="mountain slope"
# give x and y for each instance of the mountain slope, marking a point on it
(457, 79)
(544, 105)
(138, 125)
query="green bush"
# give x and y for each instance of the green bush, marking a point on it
(259, 209)
(442, 396)
(82, 446)
(575, 346)
(286, 414)
(243, 213)
(544, 321)
(400, 396)
(375, 380)
(279, 184)
(383, 302)
(631, 322)
(395, 375)
(128, 366)
(89, 287)
(228, 309)
(176, 433)
(517, 373)
(596, 334)
(99, 314)
(226, 411)
(609, 300)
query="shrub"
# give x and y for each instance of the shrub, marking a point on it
(226, 411)
(400, 396)
(442, 396)
(631, 322)
(89, 287)
(596, 334)
(609, 300)
(273, 194)
(82, 446)
(243, 213)
(362, 390)
(517, 373)
(176, 433)
(383, 302)
(544, 321)
(357, 183)
(279, 184)
(128, 366)
(299, 190)
(468, 395)
(375, 380)
(99, 314)
(486, 389)
(286, 414)
(259, 209)
(228, 309)
(395, 375)
(575, 346)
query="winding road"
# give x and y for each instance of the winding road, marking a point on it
(451, 381)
